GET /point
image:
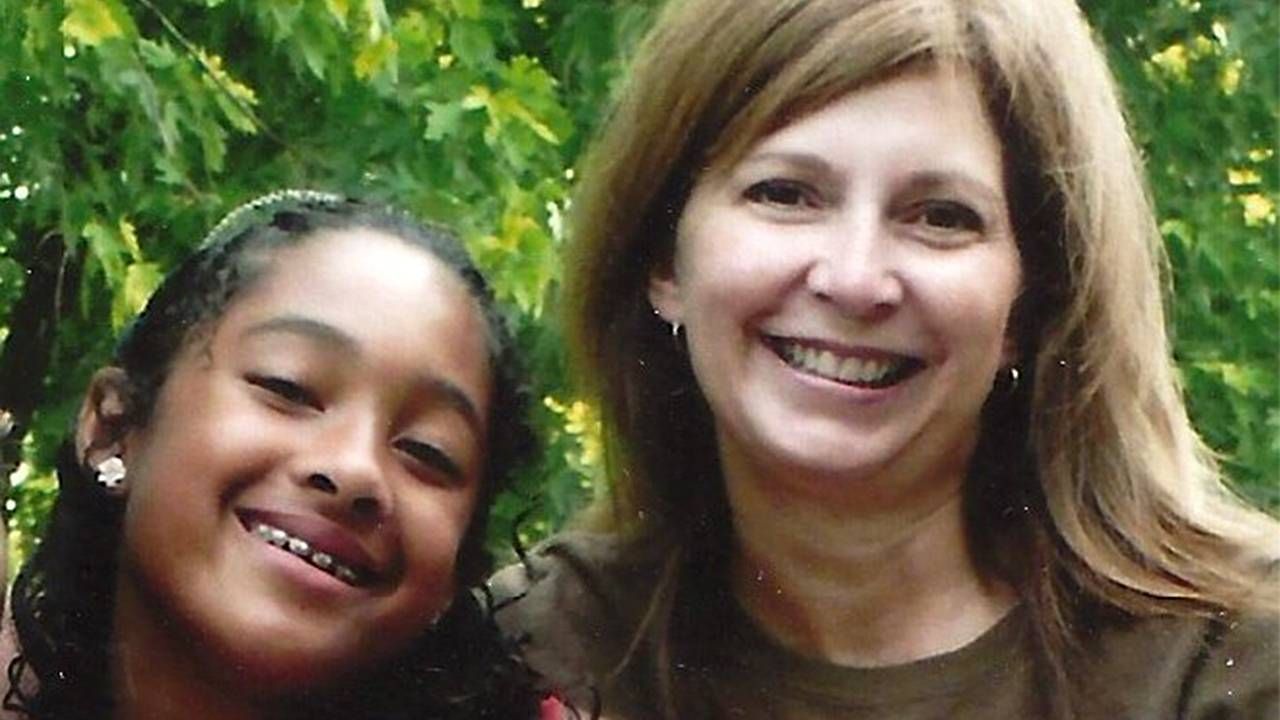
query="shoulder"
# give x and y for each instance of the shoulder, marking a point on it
(1239, 675)
(575, 603)
(580, 567)
(1186, 667)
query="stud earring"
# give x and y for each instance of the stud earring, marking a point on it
(111, 474)
(1007, 380)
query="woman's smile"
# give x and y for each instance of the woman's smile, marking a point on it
(845, 287)
(853, 365)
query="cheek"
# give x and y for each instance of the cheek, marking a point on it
(972, 299)
(434, 529)
(736, 265)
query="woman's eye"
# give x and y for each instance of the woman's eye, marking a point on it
(288, 390)
(949, 215)
(781, 193)
(430, 457)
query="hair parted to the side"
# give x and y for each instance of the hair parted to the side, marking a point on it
(63, 598)
(1092, 467)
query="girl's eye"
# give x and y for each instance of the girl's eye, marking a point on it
(781, 194)
(430, 457)
(287, 390)
(949, 215)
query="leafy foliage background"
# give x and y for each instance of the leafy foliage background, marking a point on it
(128, 127)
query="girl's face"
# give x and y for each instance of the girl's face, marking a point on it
(297, 500)
(846, 287)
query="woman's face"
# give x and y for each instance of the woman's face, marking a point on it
(846, 289)
(297, 501)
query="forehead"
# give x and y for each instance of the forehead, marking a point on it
(796, 98)
(933, 116)
(331, 263)
(399, 302)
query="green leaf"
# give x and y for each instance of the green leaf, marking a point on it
(92, 22)
(467, 8)
(129, 239)
(106, 245)
(419, 36)
(213, 65)
(12, 279)
(471, 42)
(141, 280)
(284, 14)
(340, 10)
(377, 58)
(379, 20)
(157, 55)
(443, 120)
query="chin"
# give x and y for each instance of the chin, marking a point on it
(821, 453)
(278, 657)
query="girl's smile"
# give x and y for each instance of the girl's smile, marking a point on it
(322, 544)
(311, 466)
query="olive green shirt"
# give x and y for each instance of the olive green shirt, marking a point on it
(579, 607)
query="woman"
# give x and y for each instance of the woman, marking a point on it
(869, 294)
(273, 504)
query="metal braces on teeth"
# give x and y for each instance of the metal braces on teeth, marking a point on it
(302, 549)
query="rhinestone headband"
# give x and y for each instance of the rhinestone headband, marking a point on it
(265, 207)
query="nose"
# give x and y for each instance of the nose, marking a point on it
(855, 268)
(345, 467)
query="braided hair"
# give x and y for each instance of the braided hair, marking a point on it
(63, 598)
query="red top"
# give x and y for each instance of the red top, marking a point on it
(552, 709)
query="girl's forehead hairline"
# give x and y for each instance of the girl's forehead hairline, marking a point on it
(268, 257)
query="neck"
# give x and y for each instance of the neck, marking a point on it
(860, 587)
(155, 673)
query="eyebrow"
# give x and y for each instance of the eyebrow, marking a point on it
(337, 339)
(458, 399)
(805, 161)
(925, 180)
(308, 328)
(947, 178)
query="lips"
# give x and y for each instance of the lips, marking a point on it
(863, 368)
(316, 540)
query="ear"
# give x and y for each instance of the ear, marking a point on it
(664, 292)
(1009, 353)
(102, 425)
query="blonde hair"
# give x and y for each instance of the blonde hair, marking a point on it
(1117, 495)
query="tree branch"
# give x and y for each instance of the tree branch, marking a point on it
(194, 52)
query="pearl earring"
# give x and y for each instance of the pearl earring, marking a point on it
(111, 474)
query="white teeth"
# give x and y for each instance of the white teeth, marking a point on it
(302, 549)
(855, 370)
(826, 364)
(850, 369)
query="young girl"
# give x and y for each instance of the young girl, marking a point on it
(275, 499)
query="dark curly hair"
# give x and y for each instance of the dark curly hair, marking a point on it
(63, 598)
